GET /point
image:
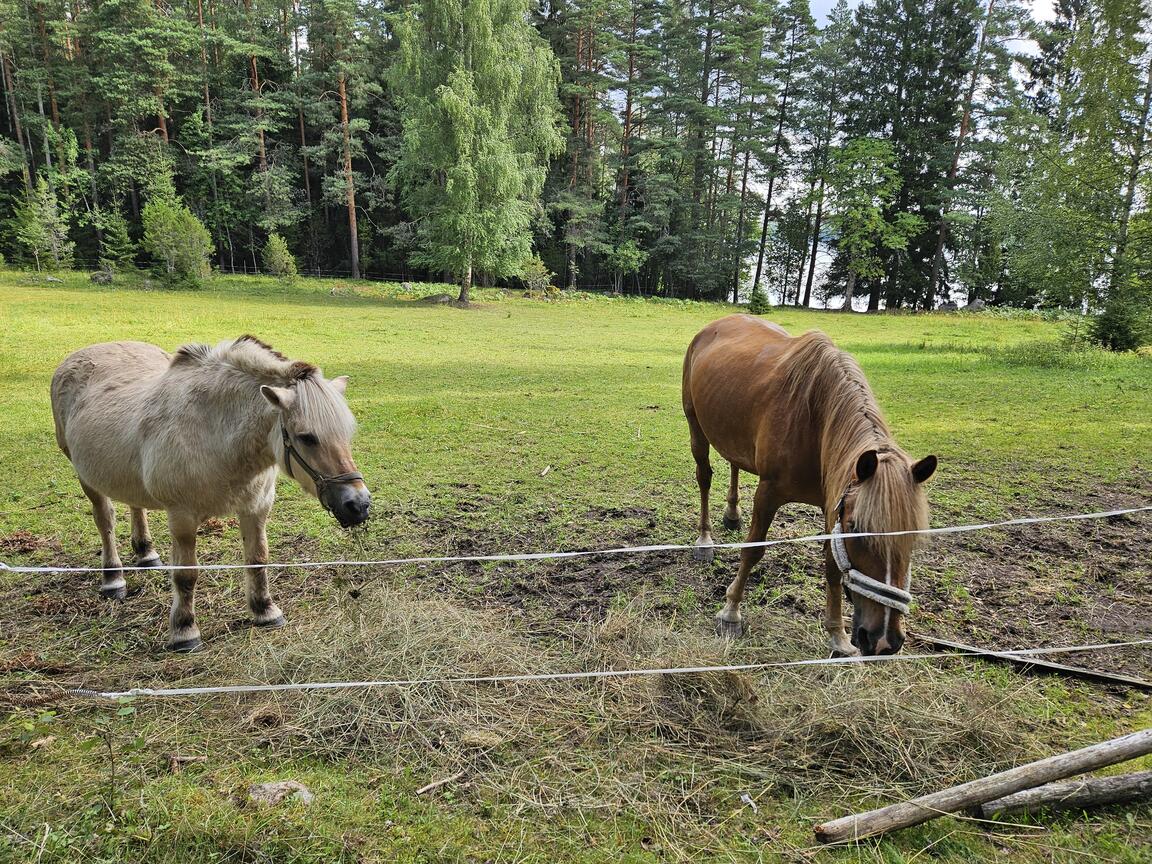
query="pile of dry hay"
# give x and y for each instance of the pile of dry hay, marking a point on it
(619, 742)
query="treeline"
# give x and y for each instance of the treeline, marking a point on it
(902, 154)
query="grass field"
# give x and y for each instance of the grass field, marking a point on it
(529, 425)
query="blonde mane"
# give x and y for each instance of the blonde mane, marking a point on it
(830, 385)
(317, 404)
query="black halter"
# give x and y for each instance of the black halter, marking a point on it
(322, 482)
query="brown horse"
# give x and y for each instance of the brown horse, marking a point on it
(798, 413)
(201, 433)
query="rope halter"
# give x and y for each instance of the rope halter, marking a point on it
(321, 481)
(884, 593)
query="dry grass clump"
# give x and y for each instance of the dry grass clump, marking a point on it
(608, 743)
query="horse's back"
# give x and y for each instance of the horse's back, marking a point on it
(96, 393)
(728, 353)
(734, 387)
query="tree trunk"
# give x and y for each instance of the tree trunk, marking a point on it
(815, 244)
(92, 187)
(849, 290)
(965, 120)
(775, 159)
(354, 241)
(465, 285)
(804, 246)
(10, 88)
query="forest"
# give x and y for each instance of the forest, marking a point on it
(901, 155)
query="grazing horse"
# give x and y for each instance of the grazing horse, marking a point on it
(200, 433)
(798, 413)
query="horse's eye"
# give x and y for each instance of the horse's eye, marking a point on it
(307, 439)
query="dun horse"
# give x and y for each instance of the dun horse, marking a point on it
(798, 413)
(200, 433)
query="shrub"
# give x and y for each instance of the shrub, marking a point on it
(278, 259)
(758, 303)
(536, 276)
(177, 240)
(1122, 325)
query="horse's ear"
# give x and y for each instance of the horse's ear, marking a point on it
(281, 398)
(866, 465)
(341, 384)
(924, 469)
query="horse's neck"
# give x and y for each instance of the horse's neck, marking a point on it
(242, 418)
(837, 473)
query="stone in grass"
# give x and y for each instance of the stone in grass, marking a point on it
(437, 299)
(278, 792)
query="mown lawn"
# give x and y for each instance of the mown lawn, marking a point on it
(527, 425)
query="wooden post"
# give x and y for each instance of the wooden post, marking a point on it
(909, 813)
(1073, 795)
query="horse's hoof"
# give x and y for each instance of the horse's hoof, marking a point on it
(120, 592)
(154, 561)
(187, 646)
(273, 624)
(850, 651)
(704, 554)
(733, 524)
(729, 629)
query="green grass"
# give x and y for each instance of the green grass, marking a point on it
(461, 412)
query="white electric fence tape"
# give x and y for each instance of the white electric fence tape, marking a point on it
(622, 550)
(572, 676)
(606, 673)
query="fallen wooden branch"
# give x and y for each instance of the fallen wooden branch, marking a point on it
(968, 795)
(1073, 795)
(1029, 663)
(436, 784)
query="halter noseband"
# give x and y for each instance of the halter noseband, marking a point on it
(883, 593)
(322, 482)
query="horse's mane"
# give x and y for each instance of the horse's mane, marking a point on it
(830, 386)
(247, 354)
(259, 361)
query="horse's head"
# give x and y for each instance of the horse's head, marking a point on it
(313, 443)
(885, 495)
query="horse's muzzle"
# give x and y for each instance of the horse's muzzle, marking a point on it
(879, 642)
(349, 504)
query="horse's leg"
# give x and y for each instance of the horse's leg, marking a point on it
(728, 620)
(112, 583)
(265, 613)
(146, 555)
(700, 446)
(732, 518)
(839, 643)
(183, 634)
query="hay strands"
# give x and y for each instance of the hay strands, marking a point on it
(970, 795)
(1035, 664)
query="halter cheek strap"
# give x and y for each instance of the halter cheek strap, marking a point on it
(861, 583)
(321, 481)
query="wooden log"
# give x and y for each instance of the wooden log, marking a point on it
(1032, 663)
(968, 795)
(1073, 795)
